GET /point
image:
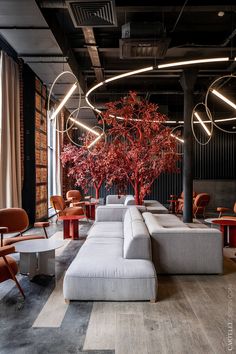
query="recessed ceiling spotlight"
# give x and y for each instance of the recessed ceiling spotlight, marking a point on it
(221, 13)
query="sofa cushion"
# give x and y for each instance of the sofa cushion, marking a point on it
(106, 229)
(99, 272)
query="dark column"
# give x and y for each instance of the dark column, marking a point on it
(187, 81)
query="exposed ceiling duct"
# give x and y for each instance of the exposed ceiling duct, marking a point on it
(143, 41)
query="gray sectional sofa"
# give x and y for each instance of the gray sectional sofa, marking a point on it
(153, 206)
(114, 263)
(179, 248)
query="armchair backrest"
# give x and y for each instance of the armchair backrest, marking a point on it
(182, 195)
(15, 219)
(57, 202)
(202, 200)
(75, 194)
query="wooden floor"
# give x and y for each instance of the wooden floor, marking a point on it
(193, 315)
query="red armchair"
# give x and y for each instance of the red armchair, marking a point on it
(15, 220)
(75, 198)
(61, 208)
(222, 210)
(8, 266)
(200, 203)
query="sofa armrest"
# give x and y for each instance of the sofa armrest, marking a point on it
(109, 213)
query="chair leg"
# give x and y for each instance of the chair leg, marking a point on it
(45, 232)
(14, 277)
(1, 240)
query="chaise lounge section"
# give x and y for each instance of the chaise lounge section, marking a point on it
(179, 248)
(114, 263)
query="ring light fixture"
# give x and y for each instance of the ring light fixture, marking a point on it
(223, 98)
(190, 62)
(134, 72)
(202, 123)
(74, 86)
(84, 126)
(150, 68)
(196, 113)
(168, 65)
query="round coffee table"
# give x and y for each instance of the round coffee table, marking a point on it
(37, 256)
(227, 227)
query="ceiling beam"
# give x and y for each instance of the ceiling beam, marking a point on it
(55, 4)
(202, 8)
(90, 42)
(24, 28)
(66, 49)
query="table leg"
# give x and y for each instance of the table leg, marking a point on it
(74, 229)
(88, 211)
(223, 229)
(29, 264)
(92, 216)
(227, 239)
(232, 236)
(66, 229)
(46, 263)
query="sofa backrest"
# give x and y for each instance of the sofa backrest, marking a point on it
(115, 199)
(137, 243)
(110, 213)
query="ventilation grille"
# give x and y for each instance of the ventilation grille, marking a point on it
(92, 13)
(141, 49)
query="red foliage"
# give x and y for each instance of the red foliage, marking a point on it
(141, 147)
(88, 170)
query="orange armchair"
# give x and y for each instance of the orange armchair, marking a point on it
(8, 266)
(15, 220)
(223, 210)
(200, 203)
(75, 198)
(61, 209)
(180, 204)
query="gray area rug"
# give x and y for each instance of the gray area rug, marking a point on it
(17, 336)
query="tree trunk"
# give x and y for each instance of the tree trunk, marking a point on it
(137, 193)
(97, 189)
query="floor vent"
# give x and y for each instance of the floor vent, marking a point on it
(92, 13)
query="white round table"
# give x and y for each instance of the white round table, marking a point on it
(37, 256)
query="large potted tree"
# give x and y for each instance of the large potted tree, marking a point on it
(141, 143)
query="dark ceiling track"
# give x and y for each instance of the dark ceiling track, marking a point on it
(52, 4)
(178, 18)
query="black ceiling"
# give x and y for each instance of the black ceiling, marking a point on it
(189, 29)
(195, 31)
